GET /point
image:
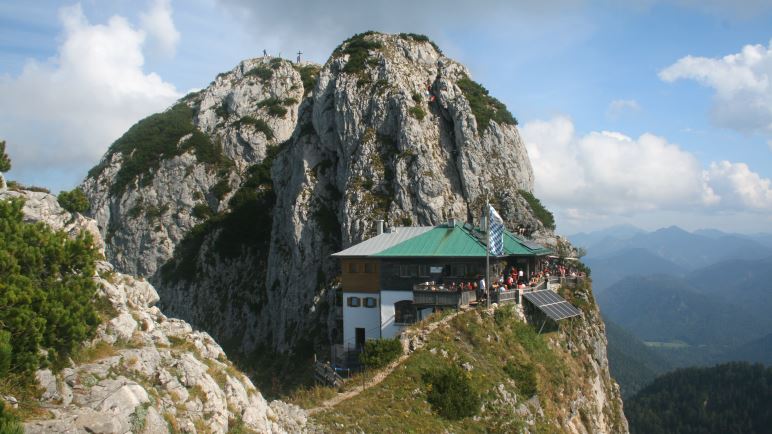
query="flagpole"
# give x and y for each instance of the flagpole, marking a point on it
(487, 252)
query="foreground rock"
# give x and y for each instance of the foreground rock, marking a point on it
(145, 372)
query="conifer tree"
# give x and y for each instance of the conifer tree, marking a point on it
(5, 162)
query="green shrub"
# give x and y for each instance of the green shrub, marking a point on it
(484, 107)
(417, 98)
(201, 211)
(153, 212)
(154, 139)
(419, 38)
(275, 106)
(276, 62)
(358, 48)
(524, 375)
(46, 291)
(5, 161)
(6, 353)
(379, 353)
(417, 112)
(450, 392)
(309, 75)
(260, 72)
(74, 200)
(259, 124)
(9, 424)
(220, 189)
(247, 225)
(542, 214)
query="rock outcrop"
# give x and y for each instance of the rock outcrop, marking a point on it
(391, 129)
(145, 372)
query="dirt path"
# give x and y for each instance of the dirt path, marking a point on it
(385, 372)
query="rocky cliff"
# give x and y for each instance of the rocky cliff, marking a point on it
(144, 372)
(233, 209)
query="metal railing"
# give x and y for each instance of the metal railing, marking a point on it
(443, 298)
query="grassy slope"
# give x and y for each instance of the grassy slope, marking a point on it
(399, 404)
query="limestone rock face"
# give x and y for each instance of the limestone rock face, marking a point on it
(145, 372)
(385, 133)
(144, 223)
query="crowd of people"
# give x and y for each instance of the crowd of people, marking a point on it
(512, 278)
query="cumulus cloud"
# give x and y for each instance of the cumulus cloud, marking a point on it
(604, 173)
(619, 107)
(739, 187)
(62, 113)
(611, 172)
(158, 24)
(741, 81)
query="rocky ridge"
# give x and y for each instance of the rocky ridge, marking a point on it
(145, 372)
(391, 129)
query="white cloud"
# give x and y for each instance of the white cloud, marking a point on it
(602, 174)
(62, 113)
(609, 172)
(159, 26)
(743, 92)
(618, 107)
(739, 187)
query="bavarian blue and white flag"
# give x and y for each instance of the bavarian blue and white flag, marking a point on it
(496, 227)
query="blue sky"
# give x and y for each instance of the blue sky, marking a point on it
(630, 110)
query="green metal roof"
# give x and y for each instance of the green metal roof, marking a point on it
(459, 241)
(440, 241)
(514, 245)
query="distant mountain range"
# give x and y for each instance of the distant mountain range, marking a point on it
(687, 250)
(668, 309)
(696, 298)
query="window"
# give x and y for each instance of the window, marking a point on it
(369, 267)
(458, 270)
(371, 302)
(423, 271)
(354, 301)
(352, 268)
(410, 270)
(404, 312)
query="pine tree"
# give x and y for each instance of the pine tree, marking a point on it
(5, 162)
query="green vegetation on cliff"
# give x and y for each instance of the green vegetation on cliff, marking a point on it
(465, 378)
(154, 139)
(358, 48)
(246, 225)
(484, 107)
(5, 162)
(542, 214)
(726, 399)
(74, 200)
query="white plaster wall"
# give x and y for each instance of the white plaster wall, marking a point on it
(388, 298)
(364, 317)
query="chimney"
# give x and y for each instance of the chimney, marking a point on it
(378, 227)
(451, 222)
(484, 223)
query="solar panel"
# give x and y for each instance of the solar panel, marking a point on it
(553, 305)
(531, 245)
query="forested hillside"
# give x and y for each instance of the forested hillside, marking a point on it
(730, 398)
(631, 362)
